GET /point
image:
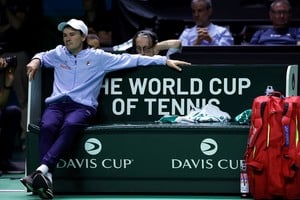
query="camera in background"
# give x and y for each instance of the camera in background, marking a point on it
(12, 61)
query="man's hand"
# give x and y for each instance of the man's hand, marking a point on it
(203, 35)
(175, 64)
(9, 72)
(32, 68)
(3, 63)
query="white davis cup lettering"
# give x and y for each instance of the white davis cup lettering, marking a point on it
(77, 163)
(228, 164)
(208, 147)
(85, 163)
(205, 164)
(169, 96)
(116, 163)
(93, 147)
(192, 163)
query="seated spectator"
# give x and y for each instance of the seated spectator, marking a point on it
(145, 42)
(10, 120)
(281, 33)
(205, 33)
(93, 41)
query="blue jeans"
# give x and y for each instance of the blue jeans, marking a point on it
(62, 122)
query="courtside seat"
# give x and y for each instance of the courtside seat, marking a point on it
(127, 151)
(150, 158)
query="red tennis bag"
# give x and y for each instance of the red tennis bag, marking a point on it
(272, 153)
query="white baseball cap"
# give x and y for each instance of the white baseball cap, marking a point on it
(74, 23)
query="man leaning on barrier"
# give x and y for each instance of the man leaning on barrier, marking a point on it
(78, 75)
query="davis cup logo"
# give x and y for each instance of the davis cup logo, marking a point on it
(209, 146)
(93, 146)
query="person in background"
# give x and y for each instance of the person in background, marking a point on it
(93, 41)
(205, 33)
(10, 119)
(145, 42)
(17, 19)
(78, 75)
(98, 18)
(281, 33)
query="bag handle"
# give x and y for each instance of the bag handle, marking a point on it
(276, 94)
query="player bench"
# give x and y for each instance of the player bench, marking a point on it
(127, 151)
